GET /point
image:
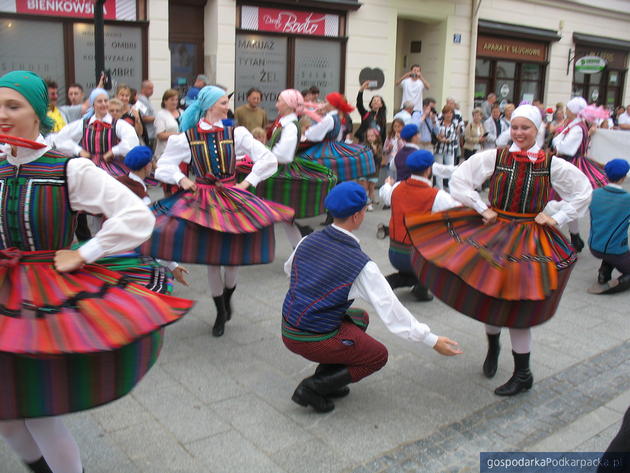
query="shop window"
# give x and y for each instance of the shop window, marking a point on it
(317, 63)
(606, 86)
(261, 62)
(18, 50)
(512, 81)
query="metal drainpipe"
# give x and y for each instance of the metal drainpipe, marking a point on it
(474, 20)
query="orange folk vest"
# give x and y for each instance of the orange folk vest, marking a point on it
(410, 196)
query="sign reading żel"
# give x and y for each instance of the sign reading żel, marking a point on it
(289, 21)
(590, 64)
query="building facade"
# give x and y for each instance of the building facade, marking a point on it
(520, 50)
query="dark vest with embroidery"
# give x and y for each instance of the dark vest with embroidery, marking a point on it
(96, 140)
(212, 154)
(35, 211)
(277, 133)
(519, 185)
(325, 266)
(334, 133)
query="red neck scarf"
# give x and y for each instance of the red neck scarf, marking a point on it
(21, 142)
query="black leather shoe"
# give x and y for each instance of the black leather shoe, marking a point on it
(421, 293)
(227, 298)
(305, 396)
(219, 323)
(605, 273)
(577, 242)
(304, 229)
(620, 284)
(382, 231)
(521, 380)
(39, 466)
(492, 357)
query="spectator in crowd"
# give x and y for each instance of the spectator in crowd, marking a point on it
(200, 82)
(77, 104)
(486, 106)
(115, 108)
(251, 115)
(406, 112)
(59, 121)
(474, 134)
(624, 119)
(314, 93)
(413, 84)
(618, 112)
(448, 142)
(375, 117)
(143, 104)
(494, 126)
(393, 143)
(428, 125)
(166, 120)
(130, 114)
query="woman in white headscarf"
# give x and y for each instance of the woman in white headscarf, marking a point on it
(505, 264)
(572, 144)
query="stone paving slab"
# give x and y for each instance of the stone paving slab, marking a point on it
(574, 409)
(223, 405)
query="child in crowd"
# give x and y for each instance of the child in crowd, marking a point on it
(373, 141)
(260, 134)
(393, 143)
(610, 217)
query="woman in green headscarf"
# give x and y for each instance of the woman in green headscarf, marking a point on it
(63, 343)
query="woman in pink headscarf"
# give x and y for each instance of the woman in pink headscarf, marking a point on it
(300, 184)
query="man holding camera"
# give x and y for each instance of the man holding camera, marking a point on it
(427, 124)
(413, 85)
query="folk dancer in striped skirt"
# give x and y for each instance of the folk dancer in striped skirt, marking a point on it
(415, 194)
(73, 335)
(328, 271)
(348, 161)
(99, 137)
(505, 265)
(155, 274)
(572, 144)
(213, 220)
(299, 183)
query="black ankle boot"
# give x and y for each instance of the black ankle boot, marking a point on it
(328, 221)
(394, 280)
(605, 273)
(577, 242)
(338, 393)
(219, 322)
(492, 357)
(522, 378)
(39, 466)
(421, 293)
(314, 391)
(227, 297)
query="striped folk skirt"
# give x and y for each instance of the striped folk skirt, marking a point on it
(593, 170)
(217, 225)
(509, 274)
(301, 185)
(143, 270)
(347, 161)
(72, 341)
(114, 167)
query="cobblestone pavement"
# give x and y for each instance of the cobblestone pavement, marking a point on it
(518, 423)
(224, 405)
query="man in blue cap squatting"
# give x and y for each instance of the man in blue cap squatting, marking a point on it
(610, 216)
(413, 195)
(328, 271)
